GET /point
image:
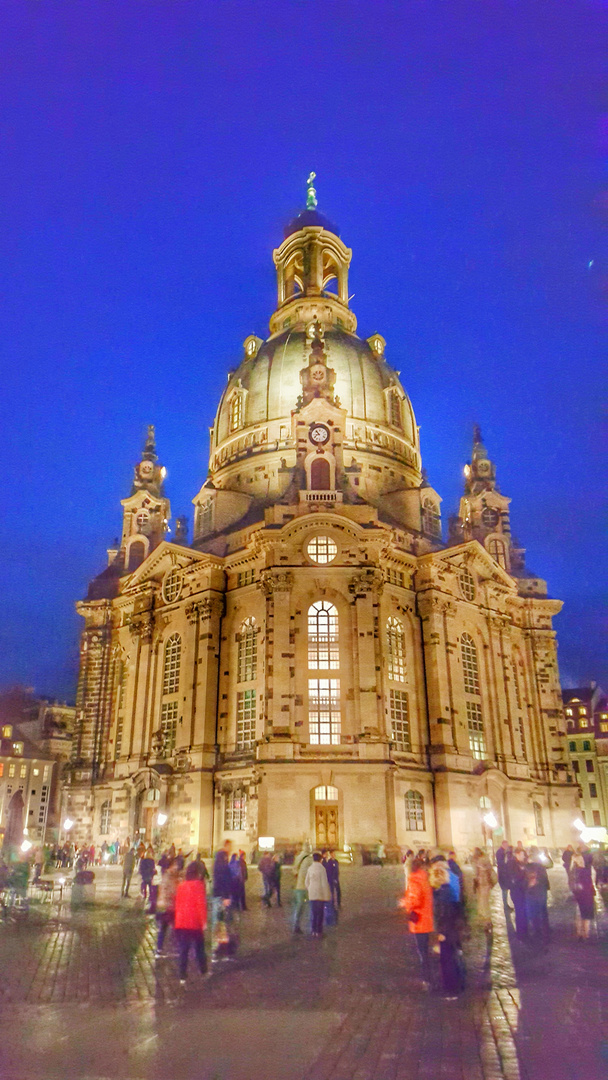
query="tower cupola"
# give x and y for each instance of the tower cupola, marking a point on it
(312, 273)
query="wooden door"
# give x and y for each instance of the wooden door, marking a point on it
(327, 826)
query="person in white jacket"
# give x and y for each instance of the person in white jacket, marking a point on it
(319, 892)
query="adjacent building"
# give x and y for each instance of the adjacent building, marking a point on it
(318, 662)
(586, 713)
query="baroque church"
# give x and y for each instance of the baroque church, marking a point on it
(318, 663)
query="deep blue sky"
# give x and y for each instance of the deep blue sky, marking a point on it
(152, 153)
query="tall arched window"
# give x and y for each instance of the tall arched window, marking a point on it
(431, 519)
(173, 660)
(248, 652)
(414, 811)
(395, 641)
(323, 649)
(324, 720)
(498, 551)
(236, 411)
(137, 554)
(470, 672)
(105, 817)
(470, 666)
(538, 819)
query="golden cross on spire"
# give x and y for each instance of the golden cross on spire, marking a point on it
(311, 195)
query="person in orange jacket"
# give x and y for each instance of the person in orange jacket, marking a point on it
(191, 920)
(418, 904)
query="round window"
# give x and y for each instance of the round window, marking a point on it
(467, 585)
(172, 586)
(321, 549)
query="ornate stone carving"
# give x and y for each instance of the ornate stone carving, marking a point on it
(370, 580)
(142, 626)
(272, 581)
(203, 610)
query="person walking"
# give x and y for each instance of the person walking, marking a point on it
(266, 868)
(537, 890)
(223, 934)
(484, 880)
(165, 905)
(502, 859)
(275, 879)
(418, 904)
(332, 869)
(244, 876)
(567, 857)
(584, 893)
(191, 921)
(319, 892)
(237, 884)
(147, 870)
(446, 920)
(300, 896)
(128, 866)
(516, 871)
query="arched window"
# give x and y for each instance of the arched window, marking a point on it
(538, 819)
(320, 475)
(477, 739)
(236, 411)
(395, 641)
(490, 517)
(205, 517)
(137, 554)
(396, 413)
(120, 695)
(326, 793)
(414, 811)
(324, 720)
(498, 551)
(173, 659)
(470, 666)
(431, 519)
(323, 651)
(105, 817)
(248, 652)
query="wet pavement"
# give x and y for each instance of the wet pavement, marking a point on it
(82, 998)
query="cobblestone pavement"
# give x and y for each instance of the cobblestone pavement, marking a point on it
(82, 998)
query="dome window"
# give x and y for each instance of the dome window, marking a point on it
(377, 344)
(236, 411)
(322, 549)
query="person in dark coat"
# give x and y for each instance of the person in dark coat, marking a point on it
(503, 854)
(222, 879)
(446, 916)
(567, 856)
(238, 886)
(516, 873)
(244, 876)
(537, 890)
(277, 867)
(147, 870)
(128, 866)
(584, 893)
(266, 868)
(332, 869)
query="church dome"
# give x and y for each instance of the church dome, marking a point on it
(253, 443)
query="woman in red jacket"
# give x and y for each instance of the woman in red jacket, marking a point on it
(191, 920)
(418, 904)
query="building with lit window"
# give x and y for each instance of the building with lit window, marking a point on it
(26, 787)
(586, 715)
(318, 662)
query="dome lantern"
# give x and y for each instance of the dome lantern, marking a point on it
(312, 273)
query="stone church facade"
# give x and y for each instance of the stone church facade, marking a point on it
(318, 663)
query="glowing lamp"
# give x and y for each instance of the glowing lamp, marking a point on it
(580, 825)
(161, 819)
(26, 845)
(490, 820)
(68, 824)
(266, 843)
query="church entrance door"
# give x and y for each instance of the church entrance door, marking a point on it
(327, 832)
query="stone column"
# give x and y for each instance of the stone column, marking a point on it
(433, 610)
(365, 587)
(280, 650)
(206, 615)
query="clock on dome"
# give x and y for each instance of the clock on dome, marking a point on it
(319, 434)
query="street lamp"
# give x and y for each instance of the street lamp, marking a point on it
(161, 819)
(491, 821)
(67, 825)
(25, 846)
(580, 825)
